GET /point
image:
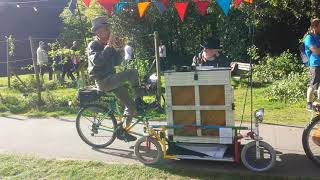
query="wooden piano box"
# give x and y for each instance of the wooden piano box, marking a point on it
(201, 98)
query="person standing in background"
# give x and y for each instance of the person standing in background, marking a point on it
(75, 58)
(42, 59)
(163, 56)
(312, 50)
(67, 67)
(128, 54)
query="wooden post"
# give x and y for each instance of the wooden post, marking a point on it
(156, 45)
(35, 70)
(8, 64)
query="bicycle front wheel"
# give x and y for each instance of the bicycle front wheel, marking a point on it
(249, 156)
(148, 150)
(96, 126)
(311, 140)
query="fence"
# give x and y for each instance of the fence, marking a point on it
(22, 57)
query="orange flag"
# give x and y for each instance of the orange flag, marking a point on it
(142, 7)
(248, 1)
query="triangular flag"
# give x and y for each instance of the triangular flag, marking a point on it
(73, 5)
(181, 8)
(161, 8)
(225, 5)
(107, 4)
(142, 7)
(202, 6)
(165, 3)
(237, 3)
(248, 1)
(86, 2)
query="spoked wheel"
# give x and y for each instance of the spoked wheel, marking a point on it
(311, 140)
(96, 126)
(267, 156)
(148, 150)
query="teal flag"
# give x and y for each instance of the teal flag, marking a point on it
(224, 5)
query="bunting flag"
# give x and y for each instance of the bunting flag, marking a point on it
(142, 7)
(237, 3)
(86, 2)
(160, 6)
(224, 5)
(73, 5)
(165, 3)
(202, 6)
(248, 1)
(123, 5)
(108, 4)
(181, 8)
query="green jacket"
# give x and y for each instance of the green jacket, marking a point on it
(101, 61)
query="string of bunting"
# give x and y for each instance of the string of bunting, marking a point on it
(181, 7)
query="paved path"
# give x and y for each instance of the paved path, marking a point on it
(57, 138)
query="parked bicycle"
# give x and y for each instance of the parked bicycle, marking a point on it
(311, 137)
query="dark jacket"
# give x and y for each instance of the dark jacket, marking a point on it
(101, 61)
(220, 61)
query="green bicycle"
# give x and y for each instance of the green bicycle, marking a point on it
(99, 125)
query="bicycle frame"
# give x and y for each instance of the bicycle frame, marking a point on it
(112, 109)
(160, 135)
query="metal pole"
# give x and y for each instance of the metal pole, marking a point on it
(83, 64)
(8, 64)
(156, 45)
(35, 70)
(251, 72)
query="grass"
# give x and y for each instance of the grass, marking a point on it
(26, 167)
(275, 112)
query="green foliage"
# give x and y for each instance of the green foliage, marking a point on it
(290, 89)
(253, 53)
(52, 85)
(3, 108)
(276, 68)
(30, 83)
(141, 65)
(14, 104)
(11, 42)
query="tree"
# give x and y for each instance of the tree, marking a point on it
(273, 26)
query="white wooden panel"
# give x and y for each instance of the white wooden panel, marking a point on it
(193, 139)
(220, 77)
(197, 103)
(198, 108)
(204, 78)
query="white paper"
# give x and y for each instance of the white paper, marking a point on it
(225, 135)
(216, 151)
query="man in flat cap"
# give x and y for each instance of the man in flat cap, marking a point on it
(102, 59)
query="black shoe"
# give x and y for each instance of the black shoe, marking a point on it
(129, 137)
(140, 104)
(309, 106)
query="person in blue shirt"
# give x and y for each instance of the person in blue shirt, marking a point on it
(312, 50)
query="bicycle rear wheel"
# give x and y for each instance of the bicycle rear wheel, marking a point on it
(96, 126)
(311, 140)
